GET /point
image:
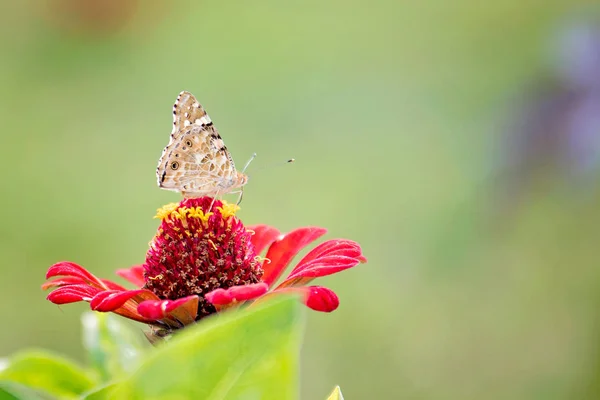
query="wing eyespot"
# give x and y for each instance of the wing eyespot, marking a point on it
(174, 165)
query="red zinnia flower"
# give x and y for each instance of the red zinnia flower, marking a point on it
(201, 262)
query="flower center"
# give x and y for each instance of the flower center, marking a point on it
(197, 251)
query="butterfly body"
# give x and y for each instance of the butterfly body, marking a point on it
(196, 162)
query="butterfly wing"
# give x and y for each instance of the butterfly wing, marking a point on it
(197, 163)
(188, 111)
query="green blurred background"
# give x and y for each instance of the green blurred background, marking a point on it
(482, 279)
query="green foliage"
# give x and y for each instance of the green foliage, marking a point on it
(15, 391)
(246, 354)
(113, 348)
(101, 393)
(336, 394)
(46, 372)
(250, 354)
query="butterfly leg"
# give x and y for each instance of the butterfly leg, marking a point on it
(241, 196)
(213, 202)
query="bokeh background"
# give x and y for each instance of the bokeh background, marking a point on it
(458, 142)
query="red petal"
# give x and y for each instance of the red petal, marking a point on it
(340, 247)
(183, 310)
(320, 267)
(72, 294)
(285, 248)
(123, 303)
(317, 298)
(64, 281)
(248, 292)
(110, 300)
(67, 268)
(134, 275)
(221, 297)
(322, 299)
(326, 259)
(111, 285)
(263, 236)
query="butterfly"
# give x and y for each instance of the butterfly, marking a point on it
(196, 162)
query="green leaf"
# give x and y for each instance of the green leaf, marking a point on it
(102, 393)
(336, 394)
(53, 374)
(113, 347)
(16, 391)
(248, 354)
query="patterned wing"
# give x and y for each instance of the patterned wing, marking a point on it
(197, 163)
(187, 111)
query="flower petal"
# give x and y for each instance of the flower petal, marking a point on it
(340, 247)
(66, 268)
(110, 300)
(123, 303)
(185, 310)
(317, 268)
(111, 285)
(181, 311)
(134, 275)
(285, 248)
(219, 297)
(222, 297)
(263, 236)
(73, 293)
(328, 258)
(318, 298)
(64, 281)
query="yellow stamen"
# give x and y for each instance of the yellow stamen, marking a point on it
(212, 244)
(250, 231)
(197, 212)
(262, 259)
(153, 278)
(165, 211)
(181, 213)
(228, 209)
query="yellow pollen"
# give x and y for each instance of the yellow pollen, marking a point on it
(181, 213)
(165, 211)
(212, 244)
(152, 278)
(228, 209)
(196, 212)
(262, 259)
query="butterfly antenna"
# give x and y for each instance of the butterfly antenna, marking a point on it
(248, 163)
(277, 164)
(291, 160)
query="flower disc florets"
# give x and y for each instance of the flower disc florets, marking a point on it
(197, 251)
